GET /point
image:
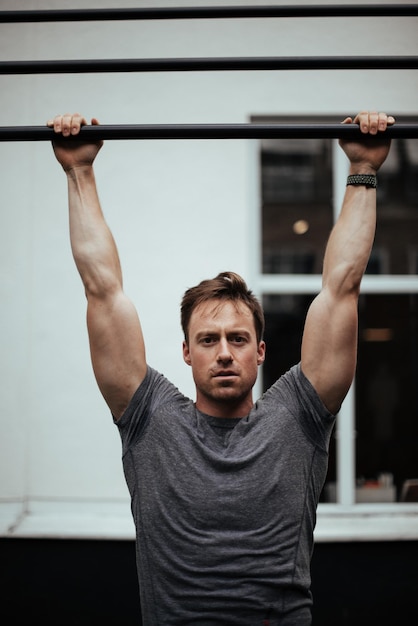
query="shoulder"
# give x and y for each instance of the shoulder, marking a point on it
(289, 386)
(153, 402)
(154, 391)
(294, 392)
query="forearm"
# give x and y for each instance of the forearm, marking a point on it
(352, 239)
(350, 243)
(92, 243)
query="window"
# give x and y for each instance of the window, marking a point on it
(298, 210)
(297, 204)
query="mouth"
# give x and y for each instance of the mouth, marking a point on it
(225, 374)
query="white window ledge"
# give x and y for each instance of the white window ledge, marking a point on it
(112, 520)
(67, 519)
(367, 522)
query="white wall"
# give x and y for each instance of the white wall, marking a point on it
(180, 211)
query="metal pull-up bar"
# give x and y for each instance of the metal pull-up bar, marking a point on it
(208, 12)
(206, 131)
(213, 64)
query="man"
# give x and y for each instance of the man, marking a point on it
(224, 491)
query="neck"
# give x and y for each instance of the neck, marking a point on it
(223, 408)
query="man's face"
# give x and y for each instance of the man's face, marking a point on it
(224, 355)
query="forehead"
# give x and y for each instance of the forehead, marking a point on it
(220, 313)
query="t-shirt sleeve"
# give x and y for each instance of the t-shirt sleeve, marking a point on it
(154, 391)
(304, 403)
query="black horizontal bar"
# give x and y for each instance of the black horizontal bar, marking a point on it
(208, 12)
(206, 131)
(210, 64)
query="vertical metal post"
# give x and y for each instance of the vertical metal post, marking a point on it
(345, 427)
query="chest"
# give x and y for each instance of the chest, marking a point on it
(237, 479)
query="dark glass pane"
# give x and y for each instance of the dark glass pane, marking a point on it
(396, 245)
(297, 205)
(387, 390)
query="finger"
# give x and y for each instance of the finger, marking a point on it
(368, 122)
(348, 120)
(56, 123)
(374, 122)
(385, 121)
(382, 122)
(66, 124)
(362, 119)
(59, 122)
(77, 121)
(72, 123)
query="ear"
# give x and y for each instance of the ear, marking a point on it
(186, 353)
(261, 353)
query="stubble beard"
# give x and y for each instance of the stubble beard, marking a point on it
(227, 393)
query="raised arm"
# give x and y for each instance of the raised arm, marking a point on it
(329, 345)
(115, 336)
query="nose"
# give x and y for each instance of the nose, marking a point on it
(224, 353)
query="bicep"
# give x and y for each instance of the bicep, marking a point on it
(117, 348)
(329, 347)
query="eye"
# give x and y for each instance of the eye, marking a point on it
(207, 340)
(238, 339)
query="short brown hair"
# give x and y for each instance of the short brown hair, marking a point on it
(225, 286)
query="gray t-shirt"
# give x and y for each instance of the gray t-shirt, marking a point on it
(225, 509)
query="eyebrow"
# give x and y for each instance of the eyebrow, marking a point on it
(214, 333)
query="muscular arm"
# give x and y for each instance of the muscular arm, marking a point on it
(329, 345)
(115, 336)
